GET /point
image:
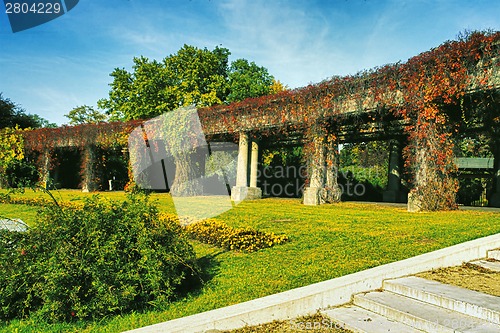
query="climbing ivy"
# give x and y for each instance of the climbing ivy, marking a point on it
(428, 94)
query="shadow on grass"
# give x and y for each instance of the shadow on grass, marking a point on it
(192, 286)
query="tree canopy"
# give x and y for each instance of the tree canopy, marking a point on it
(192, 76)
(246, 79)
(85, 115)
(12, 115)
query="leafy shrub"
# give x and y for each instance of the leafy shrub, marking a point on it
(218, 233)
(37, 202)
(102, 259)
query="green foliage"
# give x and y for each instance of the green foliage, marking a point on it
(365, 154)
(12, 115)
(474, 145)
(218, 233)
(375, 175)
(365, 162)
(37, 201)
(282, 156)
(197, 76)
(348, 237)
(278, 87)
(192, 76)
(471, 189)
(11, 151)
(248, 80)
(39, 122)
(85, 115)
(105, 258)
(223, 164)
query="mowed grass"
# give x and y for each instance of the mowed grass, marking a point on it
(25, 213)
(325, 242)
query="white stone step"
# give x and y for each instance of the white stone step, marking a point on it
(462, 300)
(494, 254)
(360, 320)
(423, 316)
(490, 264)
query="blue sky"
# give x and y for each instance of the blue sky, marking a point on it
(50, 69)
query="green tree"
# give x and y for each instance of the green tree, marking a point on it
(85, 115)
(12, 115)
(41, 122)
(246, 79)
(198, 77)
(277, 87)
(192, 76)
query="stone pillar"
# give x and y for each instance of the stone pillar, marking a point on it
(254, 164)
(393, 191)
(494, 200)
(414, 198)
(241, 172)
(331, 192)
(242, 191)
(45, 169)
(89, 183)
(323, 171)
(316, 175)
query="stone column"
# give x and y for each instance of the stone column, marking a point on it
(393, 191)
(254, 192)
(241, 173)
(254, 164)
(89, 183)
(494, 200)
(242, 191)
(45, 169)
(316, 175)
(331, 192)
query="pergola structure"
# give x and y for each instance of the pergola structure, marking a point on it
(459, 82)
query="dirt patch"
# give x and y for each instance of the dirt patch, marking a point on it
(467, 276)
(316, 324)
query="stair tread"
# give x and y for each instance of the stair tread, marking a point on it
(488, 264)
(474, 298)
(360, 320)
(433, 316)
(494, 254)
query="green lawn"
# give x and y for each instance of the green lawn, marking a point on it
(325, 242)
(25, 213)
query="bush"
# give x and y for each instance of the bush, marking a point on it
(105, 258)
(37, 202)
(218, 233)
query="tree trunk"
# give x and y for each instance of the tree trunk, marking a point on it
(186, 182)
(331, 193)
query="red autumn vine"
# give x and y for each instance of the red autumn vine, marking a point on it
(426, 94)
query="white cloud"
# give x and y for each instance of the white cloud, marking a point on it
(293, 42)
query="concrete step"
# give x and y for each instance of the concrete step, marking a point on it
(490, 264)
(360, 320)
(420, 315)
(454, 298)
(494, 254)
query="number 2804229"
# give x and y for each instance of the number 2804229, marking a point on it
(32, 8)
